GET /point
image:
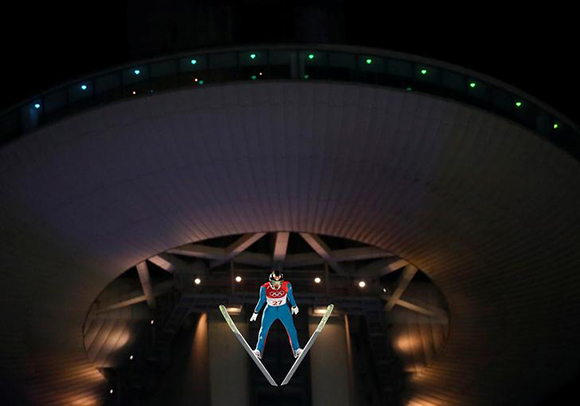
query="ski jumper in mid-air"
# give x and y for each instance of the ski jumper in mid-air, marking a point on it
(275, 293)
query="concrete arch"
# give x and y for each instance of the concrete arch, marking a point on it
(484, 206)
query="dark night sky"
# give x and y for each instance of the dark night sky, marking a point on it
(531, 49)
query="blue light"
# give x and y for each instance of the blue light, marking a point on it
(84, 87)
(37, 106)
(137, 71)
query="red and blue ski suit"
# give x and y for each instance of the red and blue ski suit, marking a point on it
(276, 308)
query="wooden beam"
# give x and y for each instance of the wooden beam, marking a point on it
(237, 247)
(322, 249)
(143, 271)
(124, 303)
(347, 254)
(419, 307)
(219, 254)
(402, 284)
(162, 262)
(254, 258)
(136, 297)
(359, 253)
(381, 267)
(170, 262)
(305, 259)
(280, 249)
(199, 251)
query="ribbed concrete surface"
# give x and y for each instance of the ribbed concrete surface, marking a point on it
(486, 208)
(109, 336)
(417, 339)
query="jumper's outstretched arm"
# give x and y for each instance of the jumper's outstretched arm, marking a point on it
(261, 301)
(291, 296)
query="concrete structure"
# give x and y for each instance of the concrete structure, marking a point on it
(482, 204)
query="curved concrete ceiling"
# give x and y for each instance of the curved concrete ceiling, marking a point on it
(484, 206)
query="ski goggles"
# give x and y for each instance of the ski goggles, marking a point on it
(276, 283)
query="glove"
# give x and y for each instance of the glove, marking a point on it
(294, 309)
(254, 317)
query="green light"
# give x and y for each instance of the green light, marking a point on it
(83, 87)
(472, 85)
(409, 89)
(519, 104)
(254, 77)
(193, 61)
(306, 76)
(369, 61)
(37, 106)
(136, 71)
(310, 56)
(201, 82)
(253, 56)
(423, 71)
(556, 125)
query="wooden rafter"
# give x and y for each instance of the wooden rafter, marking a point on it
(237, 247)
(419, 307)
(143, 271)
(402, 284)
(322, 249)
(199, 251)
(381, 267)
(280, 248)
(134, 298)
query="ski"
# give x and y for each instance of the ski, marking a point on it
(244, 343)
(308, 345)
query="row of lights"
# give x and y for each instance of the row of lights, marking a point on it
(238, 279)
(310, 56)
(197, 281)
(472, 85)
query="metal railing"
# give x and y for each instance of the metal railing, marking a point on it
(291, 62)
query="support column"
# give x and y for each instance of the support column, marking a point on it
(329, 364)
(228, 363)
(200, 362)
(187, 377)
(350, 362)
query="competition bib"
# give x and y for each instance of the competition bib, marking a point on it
(276, 301)
(276, 297)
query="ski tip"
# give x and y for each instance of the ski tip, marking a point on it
(329, 309)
